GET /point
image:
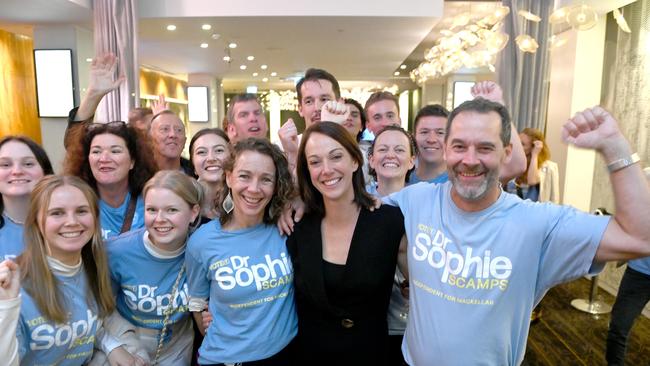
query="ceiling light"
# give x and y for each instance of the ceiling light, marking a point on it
(274, 74)
(559, 15)
(204, 45)
(206, 27)
(232, 45)
(215, 36)
(264, 67)
(265, 80)
(529, 16)
(255, 74)
(582, 18)
(227, 58)
(396, 73)
(171, 27)
(89, 60)
(620, 20)
(403, 67)
(250, 58)
(526, 43)
(243, 67)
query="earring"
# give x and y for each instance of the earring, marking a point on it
(228, 205)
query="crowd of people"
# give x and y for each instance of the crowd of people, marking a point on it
(329, 249)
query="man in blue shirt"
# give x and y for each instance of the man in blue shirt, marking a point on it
(475, 269)
(429, 129)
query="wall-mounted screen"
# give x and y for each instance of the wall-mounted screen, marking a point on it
(54, 85)
(462, 92)
(199, 108)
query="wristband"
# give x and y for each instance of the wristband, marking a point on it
(619, 164)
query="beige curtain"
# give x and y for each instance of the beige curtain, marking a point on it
(115, 23)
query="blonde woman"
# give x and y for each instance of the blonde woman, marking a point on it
(148, 273)
(56, 316)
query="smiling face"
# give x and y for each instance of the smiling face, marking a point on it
(19, 170)
(391, 156)
(109, 159)
(430, 139)
(167, 218)
(353, 123)
(382, 113)
(252, 184)
(314, 94)
(330, 167)
(249, 121)
(168, 135)
(475, 154)
(67, 224)
(210, 151)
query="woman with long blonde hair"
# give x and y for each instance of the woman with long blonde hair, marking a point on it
(65, 290)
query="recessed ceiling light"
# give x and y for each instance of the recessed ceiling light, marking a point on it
(255, 74)
(243, 67)
(215, 36)
(206, 27)
(171, 27)
(250, 58)
(226, 58)
(204, 45)
(232, 45)
(396, 73)
(265, 80)
(264, 67)
(89, 60)
(403, 67)
(274, 74)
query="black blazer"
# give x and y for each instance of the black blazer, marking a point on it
(349, 329)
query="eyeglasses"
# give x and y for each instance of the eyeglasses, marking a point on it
(114, 124)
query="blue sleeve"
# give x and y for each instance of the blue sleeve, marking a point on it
(570, 246)
(197, 271)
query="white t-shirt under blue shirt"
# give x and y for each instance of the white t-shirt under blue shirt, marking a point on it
(11, 240)
(144, 283)
(476, 276)
(248, 277)
(111, 218)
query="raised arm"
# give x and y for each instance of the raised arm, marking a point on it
(628, 234)
(101, 82)
(9, 311)
(517, 165)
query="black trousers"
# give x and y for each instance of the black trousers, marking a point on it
(633, 295)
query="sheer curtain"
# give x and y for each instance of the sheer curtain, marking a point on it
(115, 23)
(524, 76)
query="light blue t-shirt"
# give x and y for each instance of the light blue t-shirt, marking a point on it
(12, 243)
(143, 283)
(111, 218)
(441, 178)
(42, 342)
(476, 276)
(640, 265)
(248, 277)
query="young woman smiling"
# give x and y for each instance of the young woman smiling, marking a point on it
(65, 290)
(114, 159)
(209, 148)
(147, 268)
(344, 254)
(240, 263)
(22, 164)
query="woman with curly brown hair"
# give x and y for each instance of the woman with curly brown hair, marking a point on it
(113, 159)
(241, 265)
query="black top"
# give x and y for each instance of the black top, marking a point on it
(351, 328)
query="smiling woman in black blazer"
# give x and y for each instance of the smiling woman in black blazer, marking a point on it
(343, 254)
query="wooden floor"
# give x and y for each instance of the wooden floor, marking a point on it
(566, 336)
